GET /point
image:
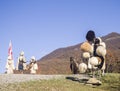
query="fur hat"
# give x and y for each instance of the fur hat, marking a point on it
(9, 57)
(82, 67)
(94, 61)
(90, 35)
(86, 55)
(101, 51)
(22, 53)
(86, 47)
(33, 59)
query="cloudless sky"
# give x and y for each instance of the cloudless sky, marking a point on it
(38, 27)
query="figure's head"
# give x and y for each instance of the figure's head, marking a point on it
(33, 59)
(97, 40)
(22, 53)
(9, 57)
(90, 36)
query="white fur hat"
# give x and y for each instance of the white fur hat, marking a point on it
(82, 67)
(32, 58)
(9, 57)
(86, 55)
(91, 62)
(101, 51)
(22, 53)
(103, 44)
(94, 61)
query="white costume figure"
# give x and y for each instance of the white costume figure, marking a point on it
(9, 65)
(21, 64)
(34, 66)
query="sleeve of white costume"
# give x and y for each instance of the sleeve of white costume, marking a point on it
(7, 65)
(13, 64)
(17, 63)
(24, 59)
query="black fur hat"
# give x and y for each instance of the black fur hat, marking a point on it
(90, 35)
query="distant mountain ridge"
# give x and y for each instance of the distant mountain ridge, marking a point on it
(57, 62)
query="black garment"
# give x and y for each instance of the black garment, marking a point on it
(20, 66)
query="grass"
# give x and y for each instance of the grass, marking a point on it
(111, 82)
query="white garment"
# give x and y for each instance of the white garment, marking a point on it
(34, 68)
(10, 66)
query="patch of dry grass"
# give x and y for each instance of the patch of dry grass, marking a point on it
(48, 85)
(111, 82)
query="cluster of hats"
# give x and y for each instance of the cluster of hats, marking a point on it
(88, 48)
(93, 48)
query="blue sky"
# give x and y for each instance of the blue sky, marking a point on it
(38, 27)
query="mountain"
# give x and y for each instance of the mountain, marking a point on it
(57, 62)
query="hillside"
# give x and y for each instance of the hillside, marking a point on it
(57, 62)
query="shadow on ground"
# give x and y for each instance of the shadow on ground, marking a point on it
(85, 80)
